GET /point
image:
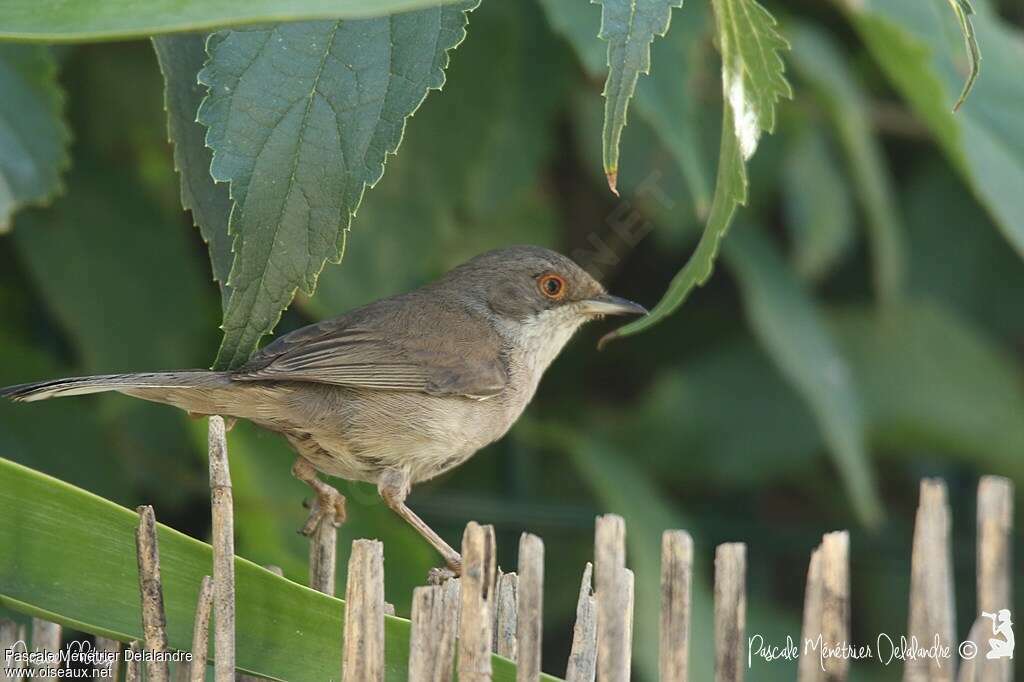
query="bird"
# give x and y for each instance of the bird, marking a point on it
(398, 391)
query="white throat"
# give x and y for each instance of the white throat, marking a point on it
(537, 341)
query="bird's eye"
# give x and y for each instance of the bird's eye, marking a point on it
(552, 286)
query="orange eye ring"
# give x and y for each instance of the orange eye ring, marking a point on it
(551, 286)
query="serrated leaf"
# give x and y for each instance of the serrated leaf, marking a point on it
(444, 198)
(819, 61)
(88, 21)
(963, 11)
(752, 82)
(788, 326)
(630, 27)
(752, 68)
(668, 97)
(33, 137)
(181, 57)
(301, 118)
(922, 56)
(819, 210)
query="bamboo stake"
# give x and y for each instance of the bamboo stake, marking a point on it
(994, 568)
(363, 651)
(435, 613)
(583, 656)
(505, 615)
(479, 563)
(201, 631)
(323, 554)
(676, 586)
(9, 641)
(132, 669)
(808, 667)
(154, 620)
(108, 657)
(827, 609)
(46, 637)
(932, 609)
(223, 541)
(611, 595)
(530, 614)
(730, 611)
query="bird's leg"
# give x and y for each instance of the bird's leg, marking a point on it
(329, 504)
(394, 488)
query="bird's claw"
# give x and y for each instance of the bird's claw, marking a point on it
(327, 507)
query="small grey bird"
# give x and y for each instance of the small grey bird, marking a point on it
(397, 391)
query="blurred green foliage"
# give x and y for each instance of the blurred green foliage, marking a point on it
(881, 245)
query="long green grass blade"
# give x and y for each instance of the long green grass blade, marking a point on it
(69, 556)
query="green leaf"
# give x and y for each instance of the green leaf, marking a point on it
(819, 211)
(630, 27)
(786, 322)
(932, 381)
(80, 450)
(181, 57)
(752, 82)
(124, 288)
(923, 57)
(956, 256)
(104, 243)
(818, 60)
(445, 198)
(33, 137)
(301, 118)
(88, 21)
(667, 98)
(963, 11)
(284, 631)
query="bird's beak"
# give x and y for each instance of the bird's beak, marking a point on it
(606, 304)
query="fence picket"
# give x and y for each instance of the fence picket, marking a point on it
(676, 584)
(435, 613)
(506, 606)
(583, 655)
(154, 620)
(932, 609)
(46, 637)
(994, 568)
(827, 609)
(730, 611)
(530, 614)
(363, 647)
(611, 594)
(478, 578)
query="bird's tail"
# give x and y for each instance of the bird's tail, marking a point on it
(116, 382)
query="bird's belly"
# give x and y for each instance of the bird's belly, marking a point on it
(361, 434)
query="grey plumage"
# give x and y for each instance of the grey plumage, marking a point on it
(402, 389)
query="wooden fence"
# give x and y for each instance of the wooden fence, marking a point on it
(457, 624)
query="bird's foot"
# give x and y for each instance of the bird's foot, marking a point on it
(327, 507)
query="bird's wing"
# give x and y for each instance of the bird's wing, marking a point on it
(389, 347)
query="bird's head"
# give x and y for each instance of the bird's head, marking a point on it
(535, 293)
